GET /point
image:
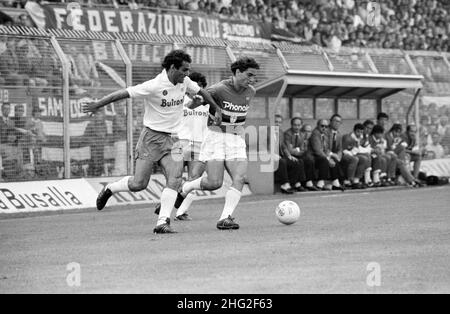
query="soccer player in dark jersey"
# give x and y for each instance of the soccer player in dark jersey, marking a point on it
(224, 146)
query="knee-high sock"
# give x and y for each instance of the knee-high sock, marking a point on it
(376, 176)
(120, 186)
(168, 198)
(367, 178)
(186, 204)
(190, 186)
(232, 199)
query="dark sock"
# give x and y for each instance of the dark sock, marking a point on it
(179, 201)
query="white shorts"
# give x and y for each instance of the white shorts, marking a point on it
(223, 146)
(191, 150)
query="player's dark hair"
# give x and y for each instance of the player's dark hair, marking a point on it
(198, 78)
(296, 118)
(358, 126)
(176, 57)
(335, 116)
(368, 122)
(304, 127)
(382, 115)
(279, 116)
(377, 129)
(243, 64)
(319, 122)
(397, 127)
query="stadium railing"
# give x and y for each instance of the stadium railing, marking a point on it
(53, 71)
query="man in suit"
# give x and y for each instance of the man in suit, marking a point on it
(297, 146)
(290, 172)
(335, 140)
(319, 146)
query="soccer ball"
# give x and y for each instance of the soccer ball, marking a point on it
(288, 212)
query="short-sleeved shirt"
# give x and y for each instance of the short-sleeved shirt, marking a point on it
(163, 101)
(234, 104)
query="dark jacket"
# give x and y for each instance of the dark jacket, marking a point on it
(282, 150)
(336, 146)
(394, 144)
(410, 141)
(348, 142)
(292, 142)
(319, 144)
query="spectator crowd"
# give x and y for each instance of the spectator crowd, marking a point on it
(403, 24)
(313, 158)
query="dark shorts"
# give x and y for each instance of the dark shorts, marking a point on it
(154, 145)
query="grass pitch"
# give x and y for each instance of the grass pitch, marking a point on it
(406, 232)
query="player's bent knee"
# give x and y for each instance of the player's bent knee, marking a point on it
(138, 185)
(174, 183)
(215, 184)
(239, 181)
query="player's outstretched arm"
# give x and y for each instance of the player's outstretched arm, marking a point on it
(195, 102)
(210, 100)
(95, 105)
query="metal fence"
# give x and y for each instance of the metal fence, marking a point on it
(46, 75)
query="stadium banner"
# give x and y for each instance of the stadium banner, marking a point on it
(24, 197)
(152, 194)
(51, 118)
(76, 18)
(436, 167)
(150, 53)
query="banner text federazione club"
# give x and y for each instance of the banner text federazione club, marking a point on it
(151, 22)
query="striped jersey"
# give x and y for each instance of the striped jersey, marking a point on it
(234, 105)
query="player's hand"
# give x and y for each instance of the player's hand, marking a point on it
(218, 117)
(89, 107)
(292, 158)
(332, 163)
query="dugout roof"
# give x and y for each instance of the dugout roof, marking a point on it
(316, 84)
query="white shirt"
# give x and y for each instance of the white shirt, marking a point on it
(194, 123)
(163, 101)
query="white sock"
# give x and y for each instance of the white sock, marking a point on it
(286, 186)
(190, 186)
(320, 184)
(168, 198)
(231, 201)
(336, 183)
(298, 184)
(367, 178)
(376, 176)
(186, 204)
(356, 180)
(309, 184)
(119, 186)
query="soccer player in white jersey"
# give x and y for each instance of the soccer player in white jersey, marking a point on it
(164, 97)
(191, 134)
(224, 146)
